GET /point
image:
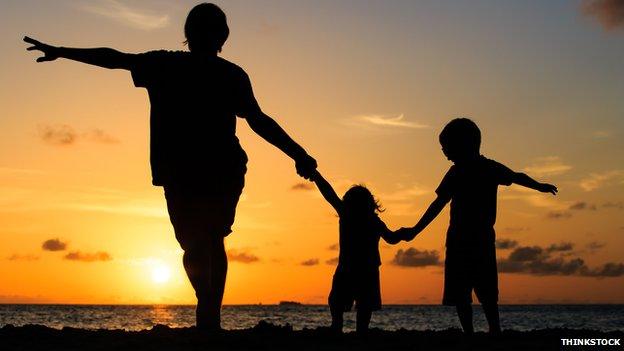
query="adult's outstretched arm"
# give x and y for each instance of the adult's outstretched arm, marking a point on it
(102, 57)
(270, 131)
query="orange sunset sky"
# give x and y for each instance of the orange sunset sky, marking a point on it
(365, 87)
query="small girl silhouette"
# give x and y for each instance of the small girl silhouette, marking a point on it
(357, 275)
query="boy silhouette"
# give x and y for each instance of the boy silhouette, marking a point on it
(195, 156)
(471, 186)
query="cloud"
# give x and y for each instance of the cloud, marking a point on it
(100, 136)
(333, 247)
(54, 245)
(547, 166)
(536, 260)
(505, 244)
(65, 135)
(310, 262)
(99, 256)
(597, 180)
(332, 261)
(609, 13)
(386, 121)
(16, 257)
(118, 11)
(594, 246)
(60, 135)
(564, 246)
(515, 229)
(582, 205)
(241, 256)
(602, 134)
(303, 186)
(558, 215)
(413, 257)
(617, 205)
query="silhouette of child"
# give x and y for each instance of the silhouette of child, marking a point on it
(471, 186)
(357, 275)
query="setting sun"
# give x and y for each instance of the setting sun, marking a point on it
(161, 274)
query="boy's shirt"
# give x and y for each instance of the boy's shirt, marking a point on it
(472, 188)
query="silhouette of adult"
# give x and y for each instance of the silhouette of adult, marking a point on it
(195, 155)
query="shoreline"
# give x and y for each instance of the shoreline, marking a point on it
(266, 336)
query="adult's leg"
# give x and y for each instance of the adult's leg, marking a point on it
(493, 319)
(206, 268)
(363, 318)
(337, 317)
(464, 312)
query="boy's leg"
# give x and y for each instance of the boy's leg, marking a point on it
(363, 318)
(464, 312)
(493, 319)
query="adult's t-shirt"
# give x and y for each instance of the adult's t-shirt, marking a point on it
(194, 103)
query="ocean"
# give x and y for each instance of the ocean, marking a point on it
(391, 317)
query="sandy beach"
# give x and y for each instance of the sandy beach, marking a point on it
(265, 336)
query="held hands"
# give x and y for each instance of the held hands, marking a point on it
(548, 188)
(306, 166)
(50, 53)
(406, 234)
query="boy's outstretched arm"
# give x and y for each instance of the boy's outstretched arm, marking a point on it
(327, 191)
(432, 212)
(526, 181)
(102, 57)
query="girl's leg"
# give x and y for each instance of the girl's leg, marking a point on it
(363, 318)
(464, 312)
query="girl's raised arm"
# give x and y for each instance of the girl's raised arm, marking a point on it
(327, 191)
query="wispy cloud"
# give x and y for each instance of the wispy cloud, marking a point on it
(547, 166)
(558, 215)
(413, 257)
(597, 180)
(61, 135)
(332, 261)
(242, 256)
(65, 135)
(79, 256)
(505, 244)
(609, 13)
(310, 262)
(54, 245)
(302, 186)
(122, 13)
(390, 121)
(582, 205)
(333, 247)
(602, 134)
(17, 257)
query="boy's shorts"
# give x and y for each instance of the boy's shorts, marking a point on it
(202, 212)
(466, 269)
(361, 287)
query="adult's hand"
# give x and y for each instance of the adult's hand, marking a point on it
(306, 166)
(50, 53)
